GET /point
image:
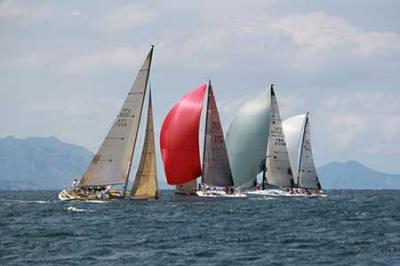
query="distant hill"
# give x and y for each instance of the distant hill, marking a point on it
(40, 163)
(354, 175)
(48, 163)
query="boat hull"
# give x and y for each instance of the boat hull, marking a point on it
(66, 195)
(280, 193)
(219, 194)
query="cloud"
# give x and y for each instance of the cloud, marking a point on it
(119, 58)
(16, 11)
(75, 13)
(319, 32)
(126, 17)
(360, 122)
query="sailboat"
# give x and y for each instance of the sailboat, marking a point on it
(277, 171)
(179, 142)
(298, 136)
(110, 167)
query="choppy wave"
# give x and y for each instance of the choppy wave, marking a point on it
(346, 228)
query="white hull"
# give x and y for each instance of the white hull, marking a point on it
(219, 194)
(64, 196)
(279, 193)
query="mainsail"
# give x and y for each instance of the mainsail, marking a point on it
(145, 185)
(307, 176)
(112, 162)
(216, 168)
(179, 138)
(293, 127)
(277, 165)
(246, 141)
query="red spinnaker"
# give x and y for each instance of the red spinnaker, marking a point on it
(179, 138)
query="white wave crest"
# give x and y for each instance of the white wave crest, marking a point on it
(73, 209)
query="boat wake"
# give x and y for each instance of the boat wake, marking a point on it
(73, 209)
(27, 201)
(263, 198)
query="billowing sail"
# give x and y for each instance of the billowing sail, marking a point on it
(179, 138)
(308, 177)
(293, 127)
(216, 168)
(246, 139)
(277, 166)
(145, 185)
(111, 164)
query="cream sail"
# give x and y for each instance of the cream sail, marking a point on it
(145, 185)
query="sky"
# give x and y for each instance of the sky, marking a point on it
(66, 66)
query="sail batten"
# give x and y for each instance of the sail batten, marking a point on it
(216, 166)
(145, 185)
(277, 165)
(111, 164)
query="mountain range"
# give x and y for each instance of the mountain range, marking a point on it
(50, 164)
(40, 163)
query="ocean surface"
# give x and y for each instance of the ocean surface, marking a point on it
(346, 228)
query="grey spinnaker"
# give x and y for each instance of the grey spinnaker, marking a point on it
(247, 139)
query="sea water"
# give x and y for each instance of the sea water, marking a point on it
(346, 228)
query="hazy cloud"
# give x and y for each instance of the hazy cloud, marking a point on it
(126, 17)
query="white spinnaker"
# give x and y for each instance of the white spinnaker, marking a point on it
(278, 171)
(293, 127)
(112, 161)
(308, 176)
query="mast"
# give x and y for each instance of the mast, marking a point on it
(301, 150)
(140, 116)
(206, 128)
(269, 129)
(263, 179)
